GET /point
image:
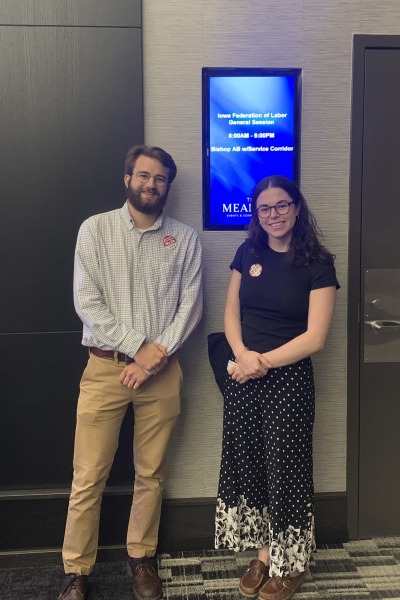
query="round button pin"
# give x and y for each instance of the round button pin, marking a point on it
(255, 270)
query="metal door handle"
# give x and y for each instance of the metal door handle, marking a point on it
(384, 325)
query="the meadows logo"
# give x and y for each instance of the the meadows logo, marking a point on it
(237, 209)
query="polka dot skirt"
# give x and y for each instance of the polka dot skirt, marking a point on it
(265, 492)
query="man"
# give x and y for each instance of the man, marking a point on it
(138, 291)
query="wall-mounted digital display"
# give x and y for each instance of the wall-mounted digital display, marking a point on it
(251, 129)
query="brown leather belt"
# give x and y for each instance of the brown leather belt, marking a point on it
(110, 354)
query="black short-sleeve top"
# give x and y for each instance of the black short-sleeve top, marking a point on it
(274, 296)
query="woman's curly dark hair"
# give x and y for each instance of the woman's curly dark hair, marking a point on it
(305, 245)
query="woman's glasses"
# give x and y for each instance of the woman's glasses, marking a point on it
(282, 208)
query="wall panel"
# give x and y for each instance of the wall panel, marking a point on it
(71, 105)
(118, 13)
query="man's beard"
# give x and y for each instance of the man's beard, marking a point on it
(148, 208)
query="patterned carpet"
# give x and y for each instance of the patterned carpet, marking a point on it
(368, 569)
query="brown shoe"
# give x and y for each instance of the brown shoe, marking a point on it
(253, 579)
(74, 587)
(146, 582)
(281, 588)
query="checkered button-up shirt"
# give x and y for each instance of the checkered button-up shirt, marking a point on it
(133, 286)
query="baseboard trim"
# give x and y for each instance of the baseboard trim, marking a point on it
(33, 522)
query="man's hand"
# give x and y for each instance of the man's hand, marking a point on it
(152, 357)
(133, 376)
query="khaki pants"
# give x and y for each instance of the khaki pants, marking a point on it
(102, 404)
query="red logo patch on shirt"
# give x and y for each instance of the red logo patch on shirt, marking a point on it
(255, 270)
(169, 240)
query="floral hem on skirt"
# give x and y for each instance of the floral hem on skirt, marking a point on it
(243, 528)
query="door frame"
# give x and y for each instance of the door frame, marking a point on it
(361, 42)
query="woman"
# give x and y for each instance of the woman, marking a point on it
(279, 308)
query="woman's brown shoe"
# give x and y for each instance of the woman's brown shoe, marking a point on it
(253, 579)
(281, 588)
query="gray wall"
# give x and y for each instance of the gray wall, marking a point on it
(179, 39)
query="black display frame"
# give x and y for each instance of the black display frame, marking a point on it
(262, 72)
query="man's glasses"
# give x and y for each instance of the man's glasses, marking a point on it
(144, 177)
(282, 208)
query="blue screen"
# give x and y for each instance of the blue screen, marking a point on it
(252, 133)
